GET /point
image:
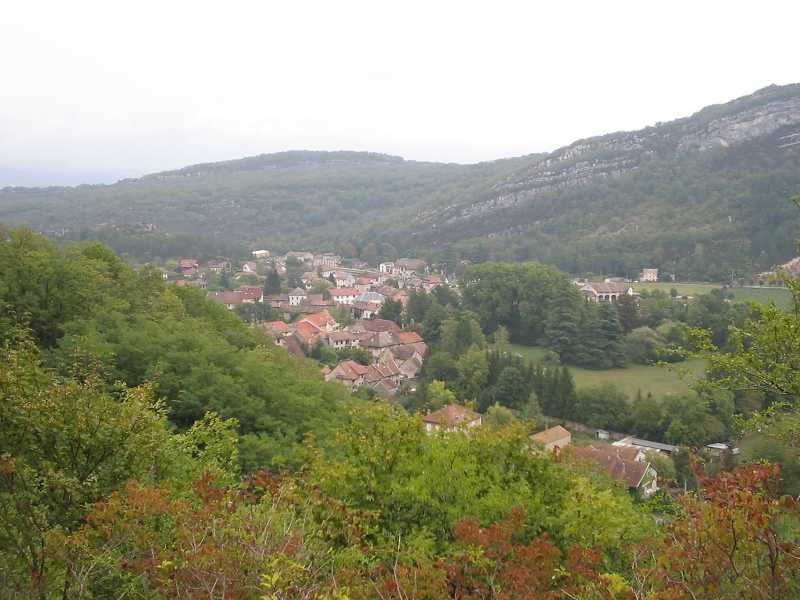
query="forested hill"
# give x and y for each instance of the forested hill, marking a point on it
(700, 197)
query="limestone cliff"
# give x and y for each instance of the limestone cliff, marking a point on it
(772, 113)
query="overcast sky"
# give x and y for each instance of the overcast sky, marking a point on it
(94, 91)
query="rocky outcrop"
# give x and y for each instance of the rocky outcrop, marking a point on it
(759, 115)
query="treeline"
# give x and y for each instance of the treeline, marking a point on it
(540, 307)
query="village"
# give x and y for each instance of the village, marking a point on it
(330, 305)
(321, 303)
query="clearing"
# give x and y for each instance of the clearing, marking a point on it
(762, 295)
(655, 379)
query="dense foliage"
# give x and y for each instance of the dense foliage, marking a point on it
(117, 481)
(84, 304)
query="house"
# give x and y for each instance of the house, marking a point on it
(350, 373)
(373, 325)
(277, 329)
(303, 257)
(388, 373)
(413, 339)
(410, 264)
(363, 284)
(250, 293)
(257, 254)
(377, 341)
(326, 260)
(250, 267)
(632, 442)
(553, 439)
(451, 418)
(342, 296)
(626, 465)
(219, 266)
(431, 282)
(229, 300)
(649, 275)
(406, 357)
(386, 267)
(371, 298)
(365, 310)
(297, 296)
(718, 449)
(276, 300)
(322, 321)
(596, 291)
(342, 339)
(307, 333)
(188, 267)
(344, 279)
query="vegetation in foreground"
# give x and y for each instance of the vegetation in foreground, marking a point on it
(110, 488)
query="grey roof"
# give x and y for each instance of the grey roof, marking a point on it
(648, 444)
(371, 297)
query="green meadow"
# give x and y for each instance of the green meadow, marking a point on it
(762, 295)
(656, 379)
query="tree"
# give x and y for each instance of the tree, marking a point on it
(473, 372)
(459, 333)
(512, 390)
(731, 541)
(604, 406)
(644, 346)
(323, 287)
(434, 319)
(611, 335)
(67, 443)
(628, 310)
(438, 395)
(498, 417)
(417, 307)
(256, 312)
(562, 327)
(391, 310)
(272, 285)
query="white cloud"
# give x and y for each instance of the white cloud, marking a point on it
(139, 86)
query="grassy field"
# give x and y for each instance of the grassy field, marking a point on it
(763, 295)
(654, 379)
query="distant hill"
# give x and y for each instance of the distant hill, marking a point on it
(700, 197)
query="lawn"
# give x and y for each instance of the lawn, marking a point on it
(654, 379)
(761, 295)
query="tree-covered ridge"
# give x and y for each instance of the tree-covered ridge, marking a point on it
(701, 197)
(83, 303)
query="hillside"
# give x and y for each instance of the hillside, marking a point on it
(699, 197)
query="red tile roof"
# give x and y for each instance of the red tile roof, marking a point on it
(409, 337)
(379, 325)
(625, 470)
(349, 370)
(451, 415)
(336, 292)
(306, 331)
(319, 320)
(226, 297)
(553, 434)
(276, 327)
